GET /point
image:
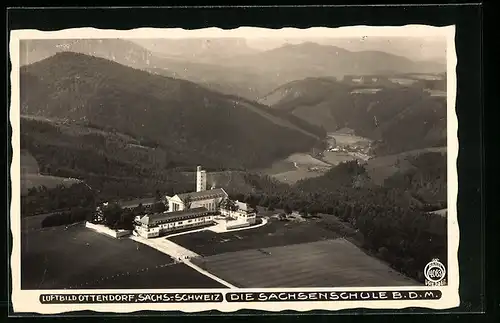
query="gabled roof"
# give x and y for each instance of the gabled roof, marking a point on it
(203, 195)
(152, 219)
(136, 202)
(242, 206)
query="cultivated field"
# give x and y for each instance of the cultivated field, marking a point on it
(327, 263)
(294, 176)
(306, 160)
(380, 168)
(36, 180)
(279, 167)
(77, 257)
(275, 233)
(335, 158)
(296, 167)
(346, 139)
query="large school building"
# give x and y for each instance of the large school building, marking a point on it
(194, 210)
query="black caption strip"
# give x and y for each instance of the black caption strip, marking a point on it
(333, 296)
(131, 298)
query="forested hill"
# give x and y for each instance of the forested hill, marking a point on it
(399, 117)
(193, 124)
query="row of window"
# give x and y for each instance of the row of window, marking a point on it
(180, 223)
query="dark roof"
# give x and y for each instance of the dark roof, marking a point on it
(136, 202)
(152, 219)
(196, 196)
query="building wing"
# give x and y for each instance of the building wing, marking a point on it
(154, 219)
(204, 195)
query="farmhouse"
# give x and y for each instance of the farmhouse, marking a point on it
(196, 209)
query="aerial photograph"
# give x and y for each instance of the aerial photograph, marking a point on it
(232, 162)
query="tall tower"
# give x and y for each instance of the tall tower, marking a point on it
(201, 179)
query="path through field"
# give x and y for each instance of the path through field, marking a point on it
(180, 254)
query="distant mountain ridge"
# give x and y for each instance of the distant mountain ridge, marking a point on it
(237, 69)
(193, 124)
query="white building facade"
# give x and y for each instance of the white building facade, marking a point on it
(155, 225)
(196, 209)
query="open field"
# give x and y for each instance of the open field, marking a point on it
(275, 233)
(327, 263)
(306, 160)
(76, 257)
(346, 139)
(279, 167)
(36, 180)
(294, 176)
(335, 157)
(380, 168)
(297, 167)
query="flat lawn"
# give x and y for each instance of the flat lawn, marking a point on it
(327, 263)
(274, 233)
(77, 257)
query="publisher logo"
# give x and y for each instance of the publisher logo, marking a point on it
(434, 273)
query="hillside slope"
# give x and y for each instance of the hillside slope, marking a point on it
(191, 123)
(399, 117)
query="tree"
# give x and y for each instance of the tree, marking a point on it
(228, 204)
(158, 196)
(112, 214)
(187, 200)
(139, 210)
(158, 207)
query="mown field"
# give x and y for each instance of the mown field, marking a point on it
(335, 158)
(346, 139)
(275, 233)
(296, 167)
(294, 176)
(306, 160)
(327, 263)
(77, 257)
